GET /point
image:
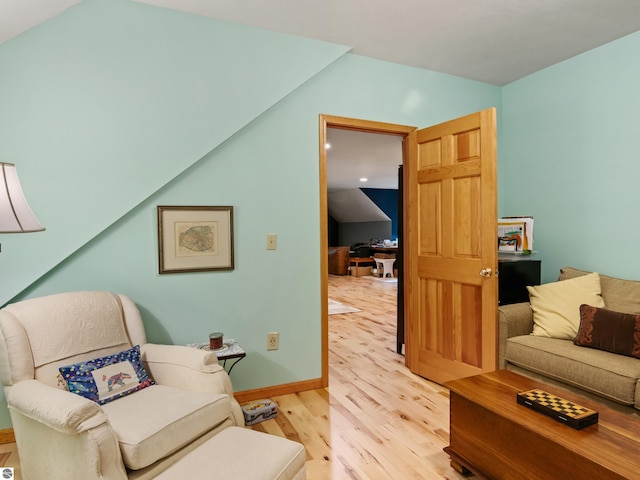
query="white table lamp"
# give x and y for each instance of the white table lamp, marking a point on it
(15, 214)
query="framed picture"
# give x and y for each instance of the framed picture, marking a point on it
(195, 239)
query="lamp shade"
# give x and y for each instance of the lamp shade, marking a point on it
(15, 214)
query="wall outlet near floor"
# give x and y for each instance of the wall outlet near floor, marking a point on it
(273, 338)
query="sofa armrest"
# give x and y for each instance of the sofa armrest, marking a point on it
(513, 320)
(189, 368)
(56, 408)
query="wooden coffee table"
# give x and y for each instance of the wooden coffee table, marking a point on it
(494, 437)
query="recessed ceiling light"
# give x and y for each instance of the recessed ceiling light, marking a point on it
(327, 146)
(364, 179)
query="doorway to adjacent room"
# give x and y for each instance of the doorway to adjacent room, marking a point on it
(360, 127)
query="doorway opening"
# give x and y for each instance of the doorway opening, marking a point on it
(344, 123)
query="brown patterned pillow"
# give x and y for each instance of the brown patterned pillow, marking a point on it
(607, 330)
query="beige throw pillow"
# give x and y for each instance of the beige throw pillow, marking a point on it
(556, 306)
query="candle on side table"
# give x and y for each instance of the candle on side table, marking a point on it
(215, 340)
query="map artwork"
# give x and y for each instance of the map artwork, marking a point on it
(194, 239)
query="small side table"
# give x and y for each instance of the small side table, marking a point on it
(230, 350)
(358, 260)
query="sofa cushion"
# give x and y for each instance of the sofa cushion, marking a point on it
(613, 332)
(607, 374)
(159, 420)
(107, 378)
(556, 306)
(619, 295)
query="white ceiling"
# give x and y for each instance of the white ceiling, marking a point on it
(494, 41)
(353, 206)
(354, 155)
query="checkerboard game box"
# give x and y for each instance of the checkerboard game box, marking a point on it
(561, 410)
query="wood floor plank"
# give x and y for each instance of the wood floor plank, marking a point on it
(376, 420)
(9, 458)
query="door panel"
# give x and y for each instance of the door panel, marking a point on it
(451, 230)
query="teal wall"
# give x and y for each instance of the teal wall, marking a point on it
(569, 157)
(115, 107)
(108, 102)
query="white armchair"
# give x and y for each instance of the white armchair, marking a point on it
(61, 435)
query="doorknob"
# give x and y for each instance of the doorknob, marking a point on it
(485, 272)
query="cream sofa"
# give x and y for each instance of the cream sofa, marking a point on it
(183, 422)
(608, 377)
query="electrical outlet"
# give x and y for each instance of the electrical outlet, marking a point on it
(272, 340)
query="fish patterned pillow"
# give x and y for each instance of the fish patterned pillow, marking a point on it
(107, 378)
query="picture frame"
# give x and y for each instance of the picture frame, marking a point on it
(195, 238)
(515, 234)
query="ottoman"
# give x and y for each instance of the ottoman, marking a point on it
(241, 453)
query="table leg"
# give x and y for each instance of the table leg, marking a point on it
(224, 364)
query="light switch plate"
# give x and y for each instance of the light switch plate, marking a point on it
(272, 239)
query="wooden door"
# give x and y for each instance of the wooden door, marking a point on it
(451, 256)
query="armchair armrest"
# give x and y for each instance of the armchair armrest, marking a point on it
(53, 407)
(189, 369)
(513, 320)
(178, 355)
(50, 423)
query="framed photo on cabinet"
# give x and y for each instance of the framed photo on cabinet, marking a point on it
(195, 239)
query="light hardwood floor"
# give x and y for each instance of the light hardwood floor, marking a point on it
(9, 458)
(376, 420)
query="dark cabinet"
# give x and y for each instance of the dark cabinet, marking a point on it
(514, 275)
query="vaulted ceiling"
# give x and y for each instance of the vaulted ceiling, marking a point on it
(493, 41)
